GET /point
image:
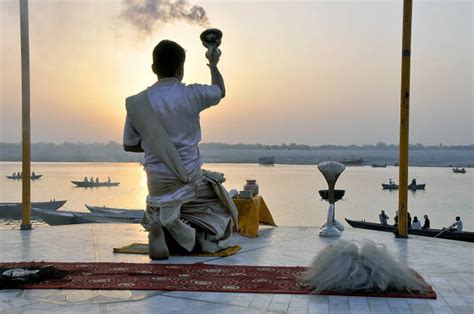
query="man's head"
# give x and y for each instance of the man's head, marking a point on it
(458, 218)
(168, 59)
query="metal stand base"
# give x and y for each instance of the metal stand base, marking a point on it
(329, 231)
(26, 227)
(337, 224)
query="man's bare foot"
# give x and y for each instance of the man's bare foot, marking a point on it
(156, 242)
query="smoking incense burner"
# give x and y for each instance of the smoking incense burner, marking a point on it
(211, 39)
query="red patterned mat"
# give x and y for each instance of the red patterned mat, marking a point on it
(187, 277)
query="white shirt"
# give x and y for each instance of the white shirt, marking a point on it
(178, 106)
(416, 225)
(458, 225)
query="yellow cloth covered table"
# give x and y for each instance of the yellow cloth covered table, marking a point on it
(252, 212)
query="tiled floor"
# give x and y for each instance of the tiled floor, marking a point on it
(447, 265)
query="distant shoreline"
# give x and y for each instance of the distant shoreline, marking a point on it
(293, 154)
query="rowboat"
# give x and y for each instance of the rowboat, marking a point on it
(411, 187)
(389, 186)
(352, 161)
(86, 184)
(266, 160)
(33, 177)
(459, 170)
(379, 165)
(111, 210)
(450, 235)
(104, 218)
(54, 217)
(13, 210)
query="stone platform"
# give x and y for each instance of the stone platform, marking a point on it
(447, 265)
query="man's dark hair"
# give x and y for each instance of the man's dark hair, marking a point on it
(168, 56)
(458, 218)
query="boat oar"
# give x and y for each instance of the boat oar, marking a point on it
(443, 231)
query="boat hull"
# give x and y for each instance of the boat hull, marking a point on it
(449, 235)
(35, 177)
(268, 161)
(54, 217)
(104, 218)
(411, 187)
(13, 210)
(83, 184)
(110, 210)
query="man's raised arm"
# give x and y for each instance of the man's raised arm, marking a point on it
(216, 75)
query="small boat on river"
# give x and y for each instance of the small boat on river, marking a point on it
(459, 170)
(412, 186)
(450, 235)
(13, 210)
(379, 165)
(352, 161)
(93, 184)
(57, 218)
(105, 218)
(266, 161)
(111, 210)
(54, 217)
(33, 177)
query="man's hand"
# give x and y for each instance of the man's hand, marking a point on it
(213, 55)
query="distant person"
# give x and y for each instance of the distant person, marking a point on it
(91, 180)
(108, 179)
(85, 179)
(395, 219)
(416, 224)
(383, 217)
(14, 174)
(33, 174)
(457, 225)
(390, 181)
(426, 224)
(413, 182)
(97, 180)
(409, 220)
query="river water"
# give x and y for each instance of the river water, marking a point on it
(291, 191)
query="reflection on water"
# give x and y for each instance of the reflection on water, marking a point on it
(291, 191)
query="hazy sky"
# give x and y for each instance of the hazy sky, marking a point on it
(313, 72)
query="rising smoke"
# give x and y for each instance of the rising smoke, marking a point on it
(145, 14)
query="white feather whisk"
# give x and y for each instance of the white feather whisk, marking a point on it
(359, 266)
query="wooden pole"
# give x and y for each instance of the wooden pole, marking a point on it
(25, 117)
(404, 120)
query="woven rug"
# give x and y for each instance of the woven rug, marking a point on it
(142, 248)
(188, 277)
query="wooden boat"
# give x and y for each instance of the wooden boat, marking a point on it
(459, 170)
(352, 161)
(54, 217)
(414, 187)
(411, 187)
(13, 210)
(33, 177)
(266, 161)
(111, 210)
(389, 186)
(104, 218)
(86, 184)
(450, 235)
(379, 166)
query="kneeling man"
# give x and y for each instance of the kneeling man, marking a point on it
(187, 207)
